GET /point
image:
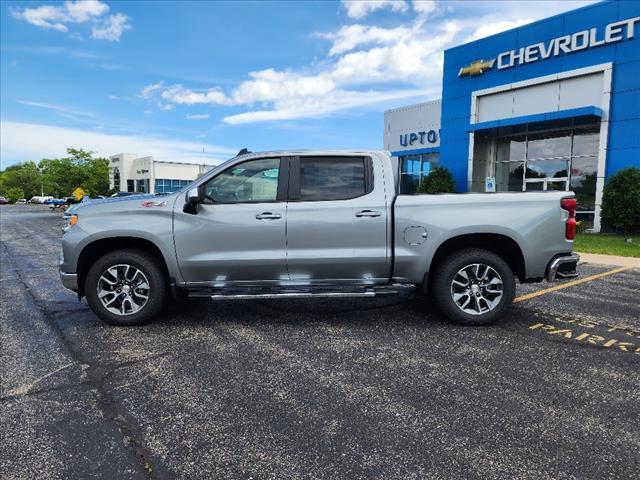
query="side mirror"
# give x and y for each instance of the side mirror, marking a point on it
(191, 201)
(193, 195)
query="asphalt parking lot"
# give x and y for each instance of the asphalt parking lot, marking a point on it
(384, 388)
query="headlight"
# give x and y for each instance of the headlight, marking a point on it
(69, 222)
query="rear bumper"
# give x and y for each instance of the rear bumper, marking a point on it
(562, 267)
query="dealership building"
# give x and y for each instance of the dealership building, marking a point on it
(130, 173)
(552, 105)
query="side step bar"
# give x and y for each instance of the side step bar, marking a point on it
(254, 296)
(290, 293)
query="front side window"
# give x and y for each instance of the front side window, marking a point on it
(252, 181)
(332, 178)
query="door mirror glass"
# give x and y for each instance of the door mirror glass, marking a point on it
(191, 201)
(193, 196)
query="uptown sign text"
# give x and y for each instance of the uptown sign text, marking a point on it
(594, 37)
(407, 139)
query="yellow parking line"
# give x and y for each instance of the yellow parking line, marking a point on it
(529, 296)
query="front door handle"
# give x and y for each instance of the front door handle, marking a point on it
(368, 213)
(268, 216)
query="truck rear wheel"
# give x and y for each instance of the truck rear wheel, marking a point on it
(473, 286)
(126, 287)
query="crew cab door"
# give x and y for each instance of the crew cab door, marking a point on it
(337, 221)
(237, 236)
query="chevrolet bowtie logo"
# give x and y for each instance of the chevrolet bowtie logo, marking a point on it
(476, 68)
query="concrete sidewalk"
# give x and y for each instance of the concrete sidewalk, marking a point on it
(631, 262)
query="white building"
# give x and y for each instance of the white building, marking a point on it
(130, 173)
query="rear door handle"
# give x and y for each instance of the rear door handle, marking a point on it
(368, 213)
(268, 216)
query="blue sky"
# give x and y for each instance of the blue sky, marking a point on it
(170, 79)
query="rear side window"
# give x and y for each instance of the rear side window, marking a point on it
(332, 178)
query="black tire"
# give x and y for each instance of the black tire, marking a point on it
(447, 270)
(153, 272)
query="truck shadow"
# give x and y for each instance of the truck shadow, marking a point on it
(409, 311)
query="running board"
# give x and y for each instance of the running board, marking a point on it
(289, 293)
(256, 296)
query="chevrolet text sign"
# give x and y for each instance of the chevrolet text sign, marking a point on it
(614, 32)
(583, 40)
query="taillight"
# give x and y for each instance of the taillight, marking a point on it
(569, 204)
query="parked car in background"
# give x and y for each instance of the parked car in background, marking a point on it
(56, 203)
(40, 198)
(3, 201)
(321, 224)
(21, 201)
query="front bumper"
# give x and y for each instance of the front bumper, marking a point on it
(69, 280)
(562, 267)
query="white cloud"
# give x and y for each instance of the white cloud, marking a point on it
(425, 7)
(365, 64)
(45, 16)
(492, 28)
(351, 36)
(57, 17)
(320, 106)
(198, 116)
(58, 108)
(111, 28)
(149, 89)
(179, 94)
(361, 8)
(81, 11)
(30, 141)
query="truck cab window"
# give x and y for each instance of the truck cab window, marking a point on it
(252, 181)
(332, 178)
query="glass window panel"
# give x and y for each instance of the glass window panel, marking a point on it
(547, 169)
(586, 142)
(512, 148)
(557, 185)
(509, 176)
(535, 186)
(409, 183)
(584, 173)
(332, 178)
(586, 218)
(549, 144)
(411, 164)
(253, 181)
(432, 158)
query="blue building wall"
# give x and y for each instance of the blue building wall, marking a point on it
(624, 123)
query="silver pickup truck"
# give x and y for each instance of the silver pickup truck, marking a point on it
(314, 224)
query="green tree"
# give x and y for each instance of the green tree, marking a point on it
(14, 193)
(59, 176)
(63, 175)
(439, 180)
(25, 176)
(621, 200)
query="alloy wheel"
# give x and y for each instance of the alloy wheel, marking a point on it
(476, 289)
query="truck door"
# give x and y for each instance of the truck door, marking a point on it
(337, 221)
(237, 237)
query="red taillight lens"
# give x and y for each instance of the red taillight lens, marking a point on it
(569, 204)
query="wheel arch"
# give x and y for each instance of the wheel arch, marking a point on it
(502, 245)
(98, 248)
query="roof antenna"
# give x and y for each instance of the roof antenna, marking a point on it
(244, 151)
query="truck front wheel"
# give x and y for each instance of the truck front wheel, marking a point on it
(126, 287)
(473, 286)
